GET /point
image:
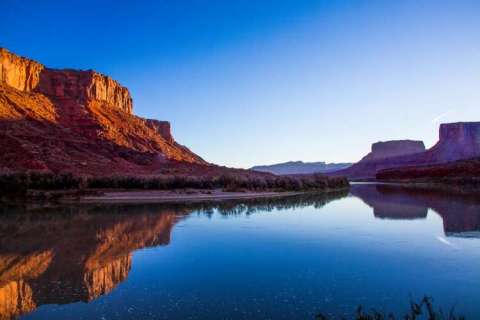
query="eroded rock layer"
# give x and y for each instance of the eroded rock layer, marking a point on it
(457, 141)
(77, 121)
(18, 72)
(83, 87)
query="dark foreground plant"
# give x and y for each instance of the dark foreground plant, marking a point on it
(424, 310)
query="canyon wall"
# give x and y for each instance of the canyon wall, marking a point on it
(18, 72)
(82, 86)
(63, 120)
(457, 141)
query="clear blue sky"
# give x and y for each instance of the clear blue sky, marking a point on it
(258, 82)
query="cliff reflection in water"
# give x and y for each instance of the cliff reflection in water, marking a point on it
(72, 254)
(66, 255)
(459, 209)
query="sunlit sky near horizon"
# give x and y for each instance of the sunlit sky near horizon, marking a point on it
(258, 82)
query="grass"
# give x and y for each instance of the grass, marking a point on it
(423, 310)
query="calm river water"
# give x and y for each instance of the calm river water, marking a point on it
(377, 246)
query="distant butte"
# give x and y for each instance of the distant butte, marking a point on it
(457, 141)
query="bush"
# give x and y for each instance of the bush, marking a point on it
(19, 183)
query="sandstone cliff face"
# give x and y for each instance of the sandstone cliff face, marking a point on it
(20, 73)
(77, 121)
(84, 87)
(162, 128)
(457, 141)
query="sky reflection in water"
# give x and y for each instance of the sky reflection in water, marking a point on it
(281, 258)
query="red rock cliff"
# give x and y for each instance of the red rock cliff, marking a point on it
(20, 73)
(85, 86)
(457, 141)
(161, 127)
(78, 121)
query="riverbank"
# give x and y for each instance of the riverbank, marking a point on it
(163, 196)
(40, 186)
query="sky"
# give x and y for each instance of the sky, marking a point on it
(249, 82)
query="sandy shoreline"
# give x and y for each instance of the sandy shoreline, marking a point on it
(174, 196)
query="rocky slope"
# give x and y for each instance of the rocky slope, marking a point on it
(300, 167)
(457, 141)
(77, 121)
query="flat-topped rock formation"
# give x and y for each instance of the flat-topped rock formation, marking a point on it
(394, 148)
(77, 121)
(380, 158)
(457, 141)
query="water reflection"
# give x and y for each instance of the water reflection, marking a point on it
(66, 255)
(459, 209)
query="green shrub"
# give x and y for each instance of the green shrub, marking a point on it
(19, 183)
